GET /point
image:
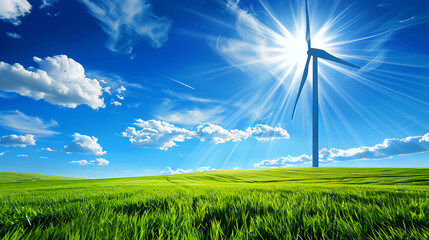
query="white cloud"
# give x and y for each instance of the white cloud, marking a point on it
(249, 50)
(236, 168)
(17, 140)
(126, 22)
(43, 157)
(80, 162)
(59, 80)
(12, 10)
(383, 4)
(84, 144)
(13, 35)
(47, 149)
(266, 133)
(18, 121)
(119, 97)
(163, 135)
(114, 82)
(188, 97)
(22, 155)
(106, 89)
(169, 171)
(205, 169)
(47, 3)
(216, 134)
(121, 89)
(283, 161)
(156, 134)
(98, 161)
(116, 103)
(53, 15)
(389, 148)
(191, 116)
(407, 20)
(1, 153)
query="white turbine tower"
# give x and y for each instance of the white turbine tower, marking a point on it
(315, 53)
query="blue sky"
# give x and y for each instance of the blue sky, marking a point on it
(140, 87)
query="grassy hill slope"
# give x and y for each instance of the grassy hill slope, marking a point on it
(361, 176)
(9, 177)
(298, 203)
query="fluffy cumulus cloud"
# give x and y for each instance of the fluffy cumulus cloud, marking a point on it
(266, 133)
(59, 80)
(156, 134)
(163, 135)
(17, 140)
(12, 10)
(216, 134)
(85, 145)
(169, 171)
(127, 22)
(388, 148)
(18, 121)
(98, 161)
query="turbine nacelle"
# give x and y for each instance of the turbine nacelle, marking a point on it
(319, 53)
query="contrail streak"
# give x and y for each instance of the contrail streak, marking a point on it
(177, 81)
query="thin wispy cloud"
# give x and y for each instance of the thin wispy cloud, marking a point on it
(13, 35)
(188, 97)
(191, 116)
(127, 22)
(407, 19)
(48, 3)
(20, 122)
(188, 115)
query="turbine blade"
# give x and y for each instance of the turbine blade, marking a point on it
(323, 54)
(307, 31)
(304, 78)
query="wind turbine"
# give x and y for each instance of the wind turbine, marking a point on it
(315, 53)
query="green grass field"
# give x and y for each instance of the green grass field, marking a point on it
(298, 203)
